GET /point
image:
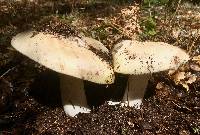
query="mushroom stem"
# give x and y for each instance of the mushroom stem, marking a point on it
(73, 95)
(135, 90)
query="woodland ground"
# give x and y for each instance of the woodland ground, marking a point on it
(29, 93)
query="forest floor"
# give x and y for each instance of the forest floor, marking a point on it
(30, 101)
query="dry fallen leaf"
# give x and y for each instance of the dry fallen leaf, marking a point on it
(159, 86)
(195, 67)
(128, 21)
(196, 59)
(191, 78)
(171, 72)
(178, 77)
(182, 78)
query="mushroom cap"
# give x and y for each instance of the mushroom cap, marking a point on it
(134, 57)
(83, 58)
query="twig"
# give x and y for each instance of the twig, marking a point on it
(175, 11)
(7, 72)
(182, 107)
(149, 9)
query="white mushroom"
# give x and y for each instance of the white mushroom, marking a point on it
(77, 59)
(140, 59)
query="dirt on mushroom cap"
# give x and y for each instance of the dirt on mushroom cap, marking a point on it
(69, 56)
(133, 57)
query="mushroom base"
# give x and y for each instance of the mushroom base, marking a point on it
(135, 90)
(73, 95)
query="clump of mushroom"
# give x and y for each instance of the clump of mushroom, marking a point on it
(81, 58)
(139, 60)
(75, 58)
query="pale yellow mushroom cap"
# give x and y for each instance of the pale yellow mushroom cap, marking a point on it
(83, 58)
(134, 57)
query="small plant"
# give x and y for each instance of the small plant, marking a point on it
(71, 17)
(155, 2)
(149, 23)
(100, 32)
(149, 26)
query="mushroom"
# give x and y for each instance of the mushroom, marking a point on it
(139, 60)
(75, 58)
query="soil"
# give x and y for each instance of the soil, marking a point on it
(30, 101)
